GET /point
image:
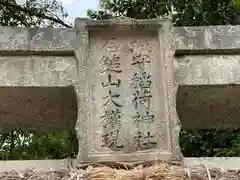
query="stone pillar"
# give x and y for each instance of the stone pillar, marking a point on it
(125, 91)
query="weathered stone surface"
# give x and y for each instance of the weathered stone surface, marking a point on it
(82, 89)
(209, 106)
(126, 23)
(40, 109)
(205, 97)
(208, 69)
(36, 39)
(40, 67)
(207, 39)
(37, 71)
(224, 163)
(37, 76)
(126, 93)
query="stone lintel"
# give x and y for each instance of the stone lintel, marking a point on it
(208, 70)
(39, 109)
(208, 93)
(36, 39)
(207, 40)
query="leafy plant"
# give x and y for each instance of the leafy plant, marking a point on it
(32, 13)
(30, 145)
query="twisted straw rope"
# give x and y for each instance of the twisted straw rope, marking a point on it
(158, 171)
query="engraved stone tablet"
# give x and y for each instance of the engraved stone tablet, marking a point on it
(128, 96)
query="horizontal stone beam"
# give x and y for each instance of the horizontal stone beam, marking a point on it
(207, 40)
(208, 70)
(224, 163)
(209, 106)
(36, 39)
(37, 165)
(37, 71)
(189, 40)
(38, 109)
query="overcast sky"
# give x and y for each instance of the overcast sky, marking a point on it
(78, 8)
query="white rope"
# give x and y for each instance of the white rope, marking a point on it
(208, 172)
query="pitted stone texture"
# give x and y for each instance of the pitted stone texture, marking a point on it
(205, 97)
(37, 71)
(129, 41)
(209, 106)
(82, 89)
(37, 91)
(224, 163)
(207, 38)
(127, 23)
(208, 70)
(171, 86)
(34, 39)
(40, 109)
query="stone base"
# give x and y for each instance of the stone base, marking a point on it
(43, 165)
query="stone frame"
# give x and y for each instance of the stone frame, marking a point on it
(83, 89)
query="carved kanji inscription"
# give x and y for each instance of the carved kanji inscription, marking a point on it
(141, 88)
(111, 120)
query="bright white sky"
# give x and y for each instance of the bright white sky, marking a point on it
(78, 8)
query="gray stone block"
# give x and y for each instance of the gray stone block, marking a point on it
(207, 39)
(126, 92)
(36, 39)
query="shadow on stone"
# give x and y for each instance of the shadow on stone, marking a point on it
(40, 109)
(37, 123)
(209, 106)
(210, 120)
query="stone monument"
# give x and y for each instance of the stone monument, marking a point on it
(126, 91)
(115, 81)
